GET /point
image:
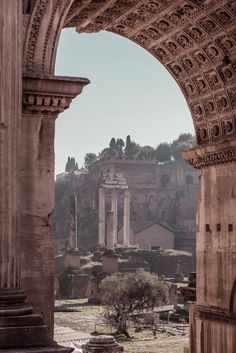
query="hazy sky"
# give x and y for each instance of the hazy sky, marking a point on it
(130, 93)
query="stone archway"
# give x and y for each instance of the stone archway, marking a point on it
(232, 301)
(196, 41)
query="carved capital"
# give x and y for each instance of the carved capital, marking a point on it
(50, 96)
(211, 154)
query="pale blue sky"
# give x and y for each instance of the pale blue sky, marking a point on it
(130, 93)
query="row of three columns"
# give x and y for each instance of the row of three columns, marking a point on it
(108, 224)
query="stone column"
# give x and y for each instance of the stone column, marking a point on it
(73, 230)
(110, 231)
(114, 208)
(126, 227)
(43, 100)
(101, 225)
(72, 258)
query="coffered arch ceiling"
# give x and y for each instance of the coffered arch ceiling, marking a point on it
(195, 40)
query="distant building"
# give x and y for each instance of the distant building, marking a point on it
(160, 194)
(150, 235)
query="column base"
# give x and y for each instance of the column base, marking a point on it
(20, 328)
(23, 331)
(110, 262)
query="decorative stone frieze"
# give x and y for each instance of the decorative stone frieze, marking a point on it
(211, 154)
(50, 95)
(214, 314)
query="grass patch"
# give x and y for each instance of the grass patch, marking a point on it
(88, 318)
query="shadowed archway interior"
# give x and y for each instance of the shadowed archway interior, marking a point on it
(196, 41)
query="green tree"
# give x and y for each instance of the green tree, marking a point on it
(131, 149)
(120, 145)
(163, 152)
(71, 165)
(184, 141)
(130, 294)
(89, 160)
(108, 153)
(113, 143)
(146, 153)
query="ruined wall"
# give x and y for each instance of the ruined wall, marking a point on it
(165, 263)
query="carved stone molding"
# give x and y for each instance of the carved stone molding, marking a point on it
(211, 154)
(50, 96)
(214, 314)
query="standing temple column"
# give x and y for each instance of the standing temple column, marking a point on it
(114, 208)
(102, 216)
(43, 100)
(73, 231)
(126, 226)
(72, 255)
(110, 230)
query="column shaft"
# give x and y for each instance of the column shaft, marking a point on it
(110, 231)
(101, 226)
(126, 226)
(73, 231)
(115, 214)
(10, 111)
(37, 202)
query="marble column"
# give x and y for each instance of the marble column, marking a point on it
(114, 208)
(126, 227)
(101, 225)
(43, 100)
(72, 255)
(73, 230)
(110, 231)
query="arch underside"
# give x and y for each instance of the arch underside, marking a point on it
(195, 40)
(232, 302)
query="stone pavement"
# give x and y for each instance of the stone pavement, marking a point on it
(69, 337)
